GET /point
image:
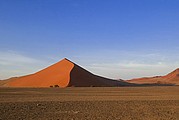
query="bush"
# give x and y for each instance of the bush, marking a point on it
(56, 86)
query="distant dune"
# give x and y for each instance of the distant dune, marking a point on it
(171, 78)
(63, 74)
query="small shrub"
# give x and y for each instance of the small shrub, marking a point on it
(51, 86)
(56, 85)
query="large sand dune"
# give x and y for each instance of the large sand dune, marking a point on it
(68, 74)
(64, 74)
(171, 78)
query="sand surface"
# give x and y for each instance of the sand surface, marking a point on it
(123, 103)
(56, 74)
(171, 78)
(63, 74)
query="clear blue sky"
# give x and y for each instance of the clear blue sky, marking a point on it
(112, 38)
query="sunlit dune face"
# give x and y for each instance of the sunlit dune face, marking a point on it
(57, 74)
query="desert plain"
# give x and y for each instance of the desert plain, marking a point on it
(75, 103)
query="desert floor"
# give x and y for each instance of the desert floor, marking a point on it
(123, 103)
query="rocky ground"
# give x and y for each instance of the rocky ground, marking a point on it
(124, 103)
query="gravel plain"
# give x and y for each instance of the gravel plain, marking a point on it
(111, 103)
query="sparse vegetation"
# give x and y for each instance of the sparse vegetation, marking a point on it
(54, 86)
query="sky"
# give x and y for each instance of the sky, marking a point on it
(120, 39)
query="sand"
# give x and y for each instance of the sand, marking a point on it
(64, 74)
(57, 74)
(171, 78)
(112, 103)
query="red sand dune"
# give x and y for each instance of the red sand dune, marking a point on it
(171, 78)
(67, 74)
(64, 74)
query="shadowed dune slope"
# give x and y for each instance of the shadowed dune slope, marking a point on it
(64, 74)
(171, 78)
(81, 77)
